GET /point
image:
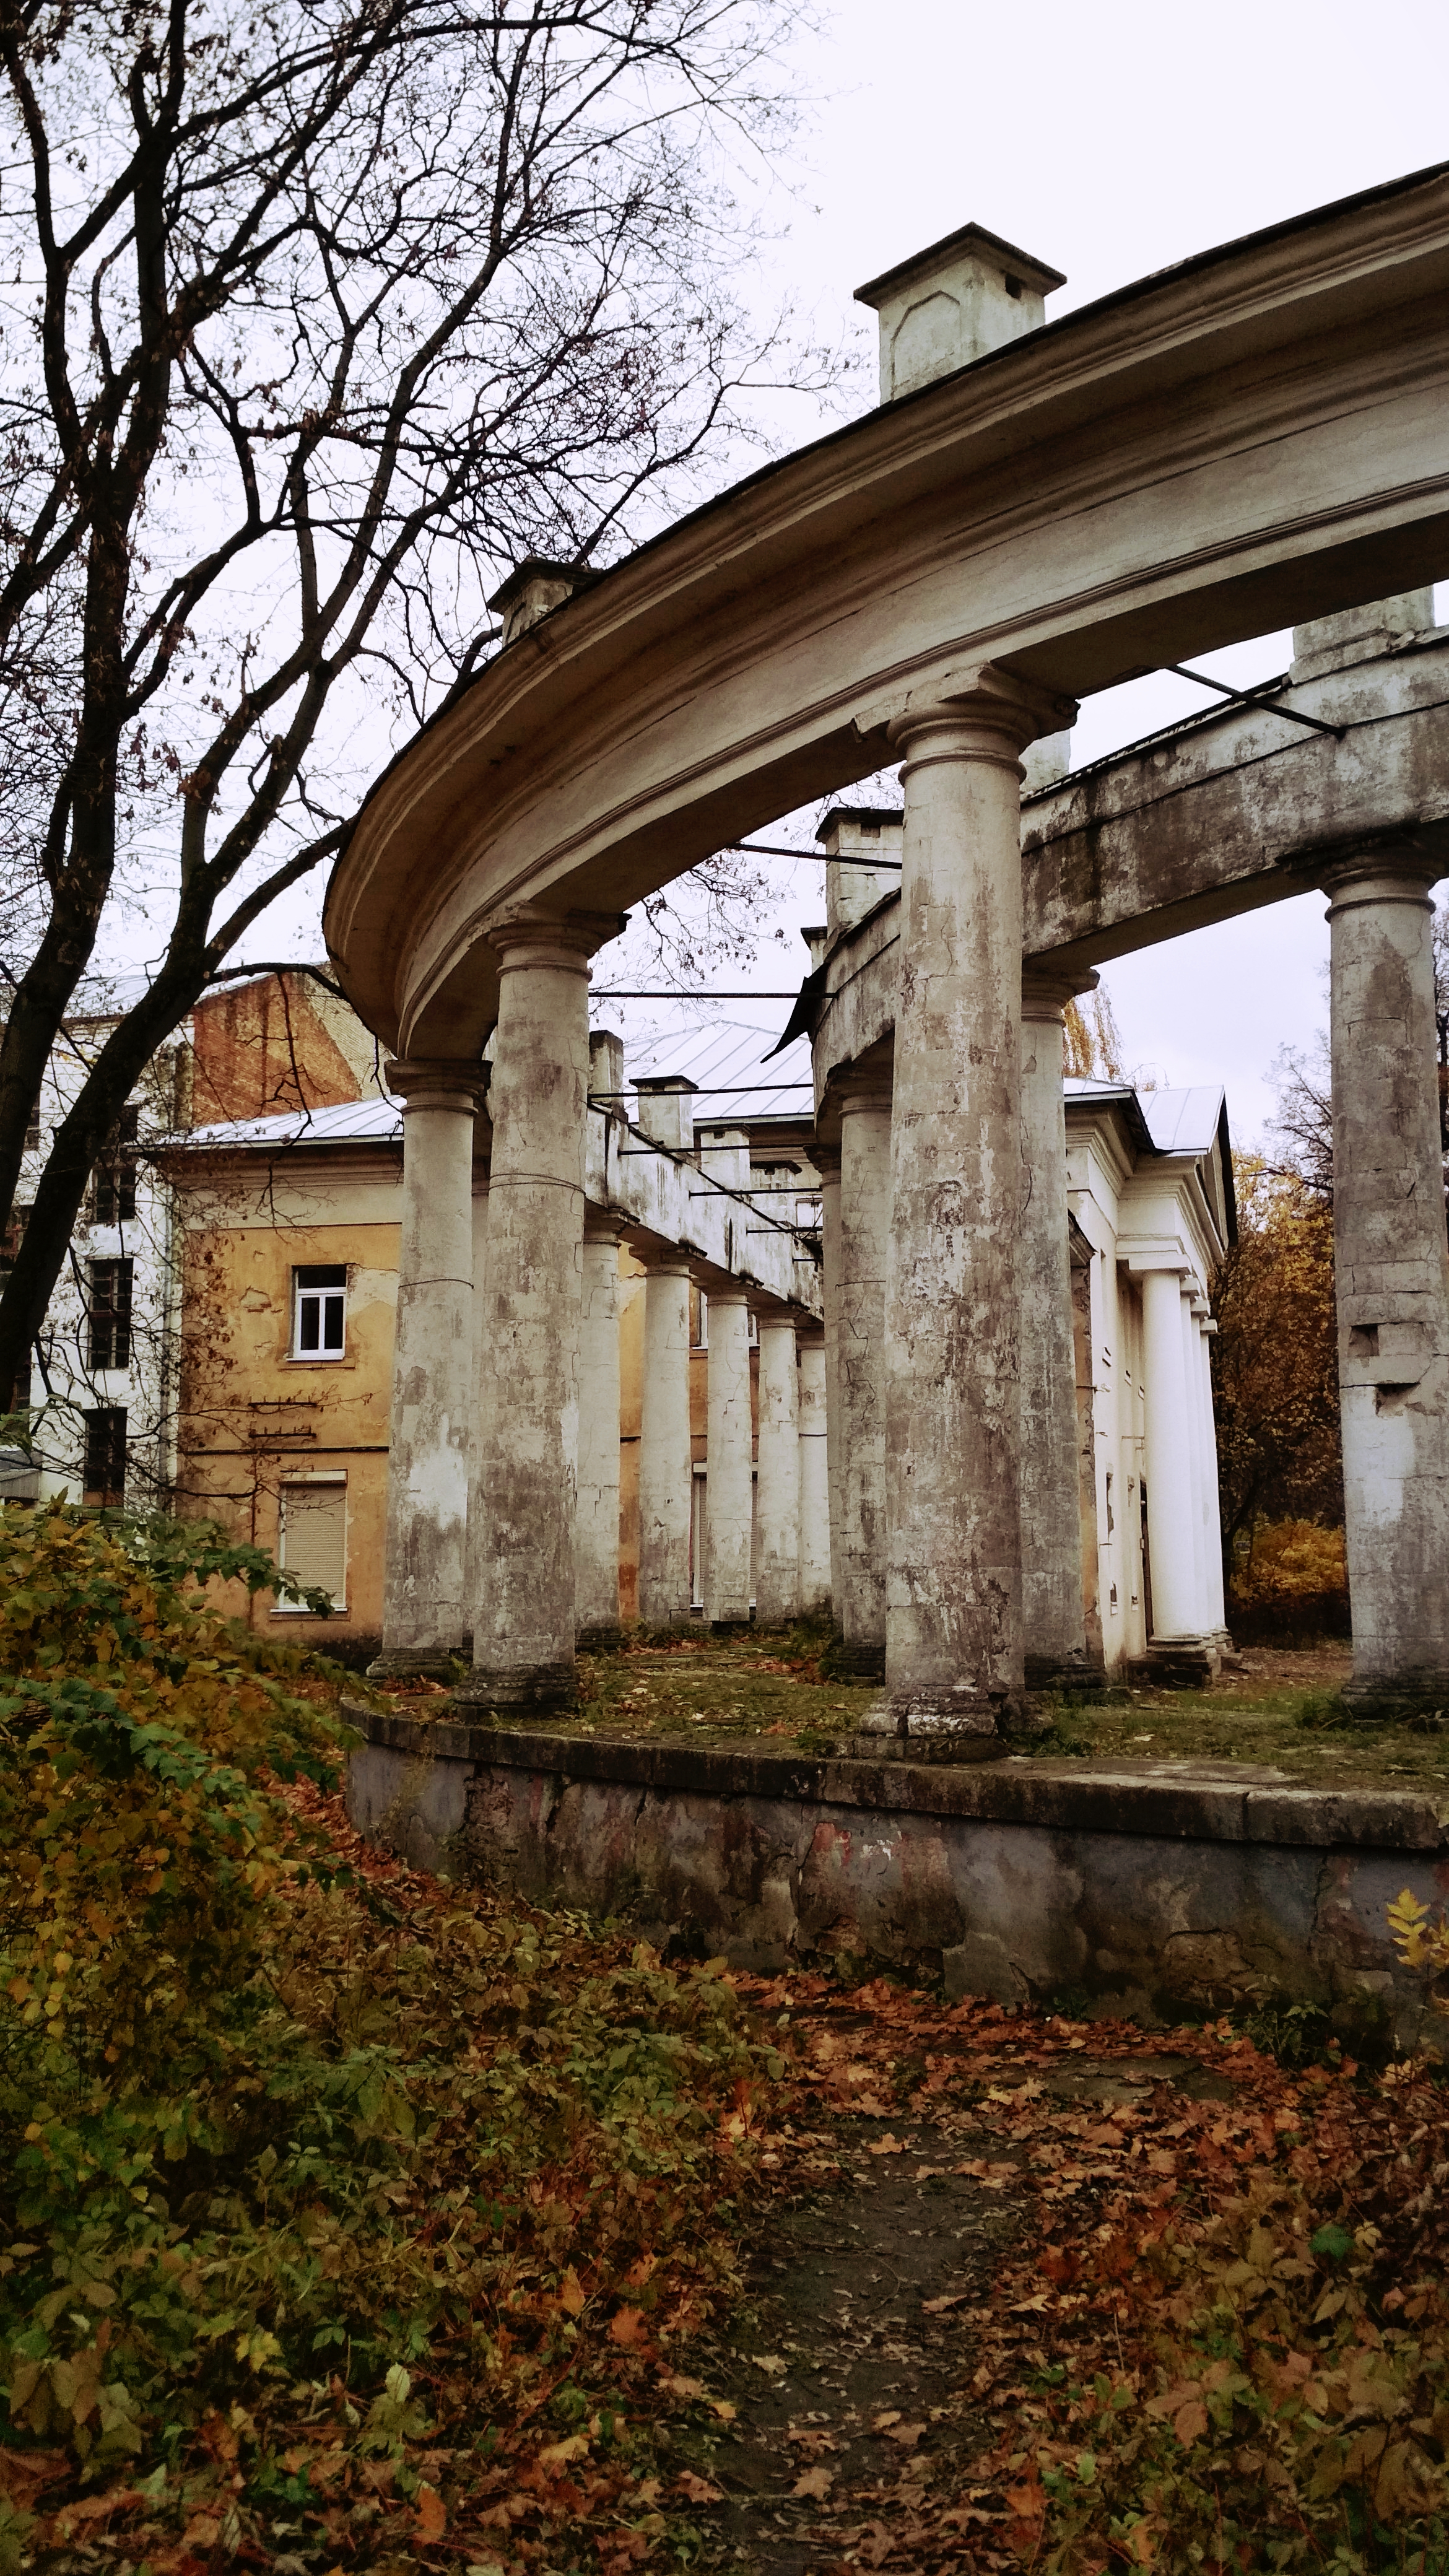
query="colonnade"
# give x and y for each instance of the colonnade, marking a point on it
(503, 1475)
(947, 1474)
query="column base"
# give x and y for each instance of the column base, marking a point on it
(1074, 1673)
(971, 1722)
(605, 1639)
(853, 1659)
(418, 1663)
(1179, 1663)
(1388, 1699)
(538, 1688)
(882, 1735)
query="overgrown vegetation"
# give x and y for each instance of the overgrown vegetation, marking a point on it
(331, 2201)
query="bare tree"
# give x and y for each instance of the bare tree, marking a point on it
(1301, 1135)
(320, 314)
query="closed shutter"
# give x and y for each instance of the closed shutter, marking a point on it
(314, 1539)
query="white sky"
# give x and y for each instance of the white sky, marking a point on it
(1109, 141)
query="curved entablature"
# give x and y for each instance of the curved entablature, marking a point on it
(1252, 439)
(1206, 820)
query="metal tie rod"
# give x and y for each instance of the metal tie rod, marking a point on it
(624, 993)
(710, 1090)
(1255, 698)
(822, 858)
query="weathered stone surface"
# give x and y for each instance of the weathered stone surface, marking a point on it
(1391, 1275)
(955, 1653)
(426, 1611)
(1148, 1888)
(1051, 1537)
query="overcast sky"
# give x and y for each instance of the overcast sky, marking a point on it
(1109, 141)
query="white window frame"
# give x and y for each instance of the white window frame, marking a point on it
(317, 1297)
(307, 1481)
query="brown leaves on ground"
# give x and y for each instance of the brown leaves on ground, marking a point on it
(1224, 2341)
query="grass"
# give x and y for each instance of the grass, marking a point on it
(766, 1686)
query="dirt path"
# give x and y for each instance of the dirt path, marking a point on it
(871, 2365)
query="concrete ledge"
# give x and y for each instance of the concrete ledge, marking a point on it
(1224, 1801)
(1147, 1888)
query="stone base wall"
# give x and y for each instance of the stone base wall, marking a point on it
(1153, 1891)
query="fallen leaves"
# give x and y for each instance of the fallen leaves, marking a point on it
(816, 2482)
(431, 2519)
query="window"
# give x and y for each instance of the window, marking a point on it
(113, 1184)
(312, 1539)
(698, 1319)
(319, 1307)
(110, 1314)
(105, 1469)
(32, 1131)
(808, 1215)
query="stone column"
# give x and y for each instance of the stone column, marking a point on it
(1190, 1301)
(482, 1395)
(596, 1607)
(859, 1589)
(1390, 1268)
(523, 1629)
(1051, 1519)
(954, 1644)
(425, 1604)
(827, 1164)
(777, 1491)
(729, 1487)
(666, 1475)
(1173, 1537)
(1217, 1613)
(814, 1478)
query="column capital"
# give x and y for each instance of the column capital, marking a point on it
(1142, 1257)
(978, 712)
(860, 1087)
(826, 1159)
(437, 1082)
(730, 1292)
(1402, 874)
(603, 1225)
(1047, 989)
(527, 934)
